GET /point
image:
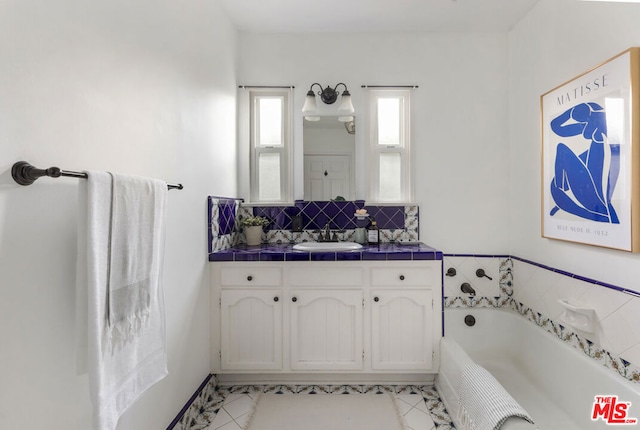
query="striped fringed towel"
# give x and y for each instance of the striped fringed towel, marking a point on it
(484, 403)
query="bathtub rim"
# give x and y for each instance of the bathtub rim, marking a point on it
(599, 376)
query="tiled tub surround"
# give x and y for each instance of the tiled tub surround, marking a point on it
(396, 223)
(494, 292)
(533, 291)
(226, 407)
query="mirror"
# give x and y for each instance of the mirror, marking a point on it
(329, 159)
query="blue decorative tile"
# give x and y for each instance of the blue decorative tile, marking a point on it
(221, 213)
(378, 256)
(272, 256)
(400, 255)
(297, 256)
(221, 256)
(349, 256)
(227, 217)
(388, 217)
(323, 256)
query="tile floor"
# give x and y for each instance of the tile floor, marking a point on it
(229, 407)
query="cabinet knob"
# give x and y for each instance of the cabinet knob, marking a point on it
(402, 277)
(294, 299)
(275, 299)
(376, 299)
(249, 278)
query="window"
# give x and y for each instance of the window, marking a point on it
(270, 143)
(389, 136)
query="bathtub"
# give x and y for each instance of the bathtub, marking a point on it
(553, 381)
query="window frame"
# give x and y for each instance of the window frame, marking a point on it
(284, 151)
(403, 148)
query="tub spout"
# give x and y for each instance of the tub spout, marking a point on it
(467, 289)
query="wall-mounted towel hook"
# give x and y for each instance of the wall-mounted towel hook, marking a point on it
(480, 273)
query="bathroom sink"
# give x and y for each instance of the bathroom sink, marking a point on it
(327, 246)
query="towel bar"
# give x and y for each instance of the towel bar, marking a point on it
(26, 174)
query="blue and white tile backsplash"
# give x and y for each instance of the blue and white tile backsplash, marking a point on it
(396, 223)
(222, 214)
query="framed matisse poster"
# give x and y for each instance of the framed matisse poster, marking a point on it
(590, 156)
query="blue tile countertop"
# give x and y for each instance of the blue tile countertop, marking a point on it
(285, 252)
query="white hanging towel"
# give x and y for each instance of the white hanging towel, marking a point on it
(120, 308)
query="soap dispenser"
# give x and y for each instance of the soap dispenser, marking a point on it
(373, 233)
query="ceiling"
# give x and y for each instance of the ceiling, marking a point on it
(338, 16)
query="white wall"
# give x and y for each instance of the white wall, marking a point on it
(459, 131)
(144, 88)
(556, 41)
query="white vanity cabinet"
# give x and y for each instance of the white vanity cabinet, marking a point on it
(401, 331)
(251, 329)
(402, 310)
(326, 316)
(302, 318)
(250, 317)
(326, 330)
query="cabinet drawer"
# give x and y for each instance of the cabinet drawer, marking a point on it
(247, 276)
(326, 276)
(403, 276)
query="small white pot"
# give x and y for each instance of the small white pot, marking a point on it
(253, 233)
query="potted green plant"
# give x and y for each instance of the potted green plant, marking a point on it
(252, 226)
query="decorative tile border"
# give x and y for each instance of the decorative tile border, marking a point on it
(197, 413)
(617, 364)
(202, 411)
(578, 277)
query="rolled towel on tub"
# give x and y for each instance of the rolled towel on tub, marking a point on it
(484, 403)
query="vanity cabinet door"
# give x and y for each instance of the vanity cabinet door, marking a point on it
(402, 329)
(251, 323)
(326, 329)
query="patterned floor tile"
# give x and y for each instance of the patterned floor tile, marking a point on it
(228, 407)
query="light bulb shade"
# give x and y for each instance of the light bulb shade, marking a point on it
(312, 118)
(346, 107)
(345, 118)
(310, 107)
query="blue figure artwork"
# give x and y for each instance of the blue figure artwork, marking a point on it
(581, 185)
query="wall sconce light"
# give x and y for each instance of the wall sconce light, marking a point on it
(328, 96)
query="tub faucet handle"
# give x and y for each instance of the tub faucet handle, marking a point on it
(480, 273)
(467, 289)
